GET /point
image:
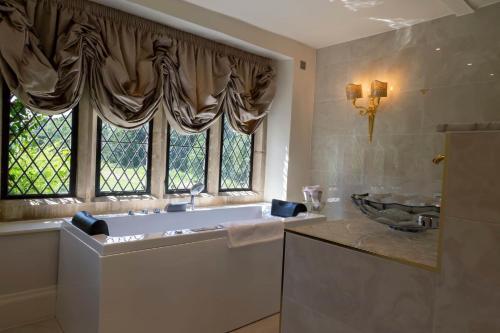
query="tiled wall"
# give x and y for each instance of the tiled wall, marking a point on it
(468, 293)
(405, 139)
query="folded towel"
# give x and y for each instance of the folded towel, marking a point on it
(244, 233)
(89, 224)
(286, 208)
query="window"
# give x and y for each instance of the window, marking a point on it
(38, 152)
(187, 159)
(236, 160)
(123, 160)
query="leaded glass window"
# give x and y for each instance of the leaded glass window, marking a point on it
(236, 160)
(187, 159)
(123, 160)
(38, 152)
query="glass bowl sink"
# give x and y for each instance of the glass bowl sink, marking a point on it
(399, 212)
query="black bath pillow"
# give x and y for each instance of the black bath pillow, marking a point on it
(89, 224)
(286, 208)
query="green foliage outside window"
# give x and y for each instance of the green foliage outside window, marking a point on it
(124, 160)
(186, 160)
(39, 152)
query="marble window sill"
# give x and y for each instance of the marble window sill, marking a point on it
(30, 227)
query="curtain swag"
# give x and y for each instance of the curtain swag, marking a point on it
(51, 49)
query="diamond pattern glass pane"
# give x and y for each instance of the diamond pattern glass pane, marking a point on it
(236, 161)
(39, 155)
(124, 160)
(187, 157)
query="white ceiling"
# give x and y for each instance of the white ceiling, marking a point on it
(320, 23)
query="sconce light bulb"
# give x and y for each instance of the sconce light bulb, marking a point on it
(492, 74)
(438, 49)
(469, 64)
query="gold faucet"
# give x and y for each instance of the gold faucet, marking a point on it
(438, 159)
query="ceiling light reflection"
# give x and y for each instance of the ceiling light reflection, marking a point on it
(356, 5)
(397, 23)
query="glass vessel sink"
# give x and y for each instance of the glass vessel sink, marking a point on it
(404, 213)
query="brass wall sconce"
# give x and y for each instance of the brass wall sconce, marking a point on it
(378, 90)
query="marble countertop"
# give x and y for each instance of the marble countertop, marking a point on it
(466, 127)
(362, 234)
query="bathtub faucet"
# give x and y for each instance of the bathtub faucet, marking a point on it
(195, 190)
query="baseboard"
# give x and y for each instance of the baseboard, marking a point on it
(27, 307)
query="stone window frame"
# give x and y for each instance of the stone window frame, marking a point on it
(85, 197)
(4, 142)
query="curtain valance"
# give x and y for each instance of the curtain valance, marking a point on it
(51, 49)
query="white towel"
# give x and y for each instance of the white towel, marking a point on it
(244, 233)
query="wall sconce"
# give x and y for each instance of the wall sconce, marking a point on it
(378, 90)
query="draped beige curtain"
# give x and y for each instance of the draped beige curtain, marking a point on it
(51, 49)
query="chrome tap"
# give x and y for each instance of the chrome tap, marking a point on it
(195, 190)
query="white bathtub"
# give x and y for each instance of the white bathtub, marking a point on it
(168, 272)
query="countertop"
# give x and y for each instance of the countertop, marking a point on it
(362, 234)
(467, 127)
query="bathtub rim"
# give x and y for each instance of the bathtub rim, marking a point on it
(101, 244)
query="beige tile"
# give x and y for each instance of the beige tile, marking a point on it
(468, 294)
(267, 325)
(49, 326)
(31, 261)
(472, 181)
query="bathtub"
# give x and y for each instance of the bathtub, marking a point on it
(169, 272)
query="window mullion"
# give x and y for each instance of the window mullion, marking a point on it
(159, 152)
(236, 162)
(214, 157)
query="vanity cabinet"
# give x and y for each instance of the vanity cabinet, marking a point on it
(329, 288)
(333, 287)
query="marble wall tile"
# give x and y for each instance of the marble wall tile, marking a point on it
(338, 117)
(384, 44)
(331, 81)
(489, 104)
(449, 66)
(483, 22)
(404, 137)
(468, 294)
(472, 184)
(451, 104)
(403, 113)
(358, 292)
(334, 54)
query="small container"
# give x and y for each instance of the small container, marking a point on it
(428, 221)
